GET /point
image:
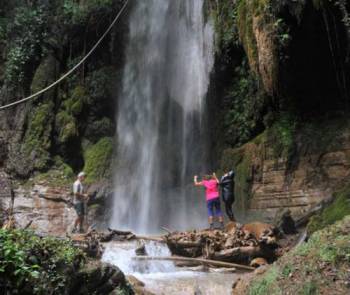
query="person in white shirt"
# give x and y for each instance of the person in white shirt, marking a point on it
(79, 202)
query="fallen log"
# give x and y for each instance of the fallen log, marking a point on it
(150, 238)
(119, 232)
(199, 260)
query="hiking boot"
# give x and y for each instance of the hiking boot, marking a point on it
(212, 226)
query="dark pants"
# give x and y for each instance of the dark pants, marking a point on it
(80, 209)
(228, 208)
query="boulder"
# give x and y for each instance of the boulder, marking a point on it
(99, 278)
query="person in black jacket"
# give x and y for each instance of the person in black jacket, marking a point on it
(227, 185)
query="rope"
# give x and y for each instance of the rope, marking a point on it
(73, 69)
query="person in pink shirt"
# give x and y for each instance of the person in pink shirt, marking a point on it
(211, 184)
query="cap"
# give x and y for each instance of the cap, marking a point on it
(81, 174)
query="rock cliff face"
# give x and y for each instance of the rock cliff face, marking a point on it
(47, 207)
(298, 181)
(284, 126)
(70, 127)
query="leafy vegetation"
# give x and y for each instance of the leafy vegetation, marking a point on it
(26, 33)
(33, 265)
(282, 135)
(78, 12)
(224, 14)
(245, 102)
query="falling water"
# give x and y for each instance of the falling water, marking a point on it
(161, 126)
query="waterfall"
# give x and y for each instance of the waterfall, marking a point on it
(161, 124)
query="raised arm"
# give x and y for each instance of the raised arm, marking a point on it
(196, 182)
(217, 180)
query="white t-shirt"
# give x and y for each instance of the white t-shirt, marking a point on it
(78, 188)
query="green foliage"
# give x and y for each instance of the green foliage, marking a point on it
(245, 105)
(26, 34)
(246, 11)
(304, 270)
(245, 29)
(224, 14)
(287, 270)
(98, 159)
(98, 84)
(99, 128)
(283, 34)
(282, 134)
(34, 265)
(329, 244)
(78, 12)
(336, 211)
(309, 288)
(267, 284)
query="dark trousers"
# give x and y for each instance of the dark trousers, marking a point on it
(228, 208)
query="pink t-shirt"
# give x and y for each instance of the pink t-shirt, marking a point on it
(211, 189)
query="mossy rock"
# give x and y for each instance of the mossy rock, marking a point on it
(45, 74)
(69, 114)
(240, 160)
(100, 85)
(37, 141)
(98, 159)
(98, 128)
(336, 211)
(66, 126)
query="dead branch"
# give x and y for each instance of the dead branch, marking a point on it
(198, 260)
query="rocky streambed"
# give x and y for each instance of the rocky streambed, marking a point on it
(165, 277)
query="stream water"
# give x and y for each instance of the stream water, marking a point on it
(161, 118)
(163, 277)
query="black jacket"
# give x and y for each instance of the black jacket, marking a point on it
(227, 186)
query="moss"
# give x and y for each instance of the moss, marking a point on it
(37, 141)
(309, 288)
(45, 73)
(98, 160)
(241, 161)
(243, 180)
(245, 14)
(59, 175)
(224, 14)
(70, 111)
(230, 158)
(336, 211)
(246, 11)
(282, 134)
(305, 269)
(267, 284)
(67, 127)
(99, 128)
(77, 101)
